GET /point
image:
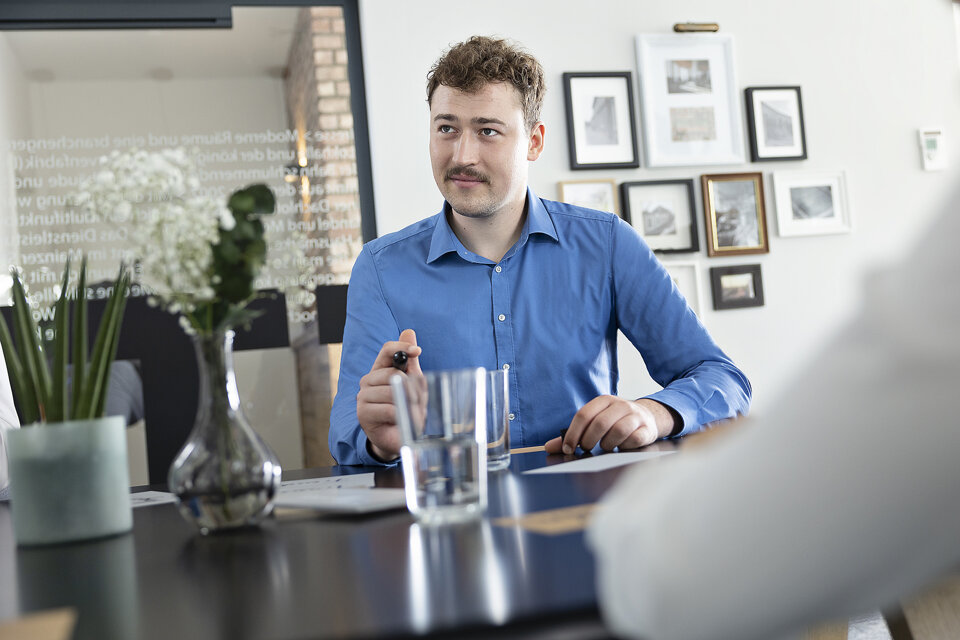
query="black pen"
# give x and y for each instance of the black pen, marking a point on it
(400, 361)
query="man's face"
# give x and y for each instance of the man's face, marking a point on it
(479, 148)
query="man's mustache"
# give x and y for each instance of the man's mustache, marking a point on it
(465, 171)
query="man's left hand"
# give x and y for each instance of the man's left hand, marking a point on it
(614, 422)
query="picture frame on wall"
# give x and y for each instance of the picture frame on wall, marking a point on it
(734, 214)
(601, 129)
(811, 203)
(686, 277)
(736, 287)
(775, 124)
(689, 100)
(600, 194)
(663, 212)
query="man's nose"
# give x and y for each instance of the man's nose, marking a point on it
(466, 151)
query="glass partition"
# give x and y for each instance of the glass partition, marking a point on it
(267, 100)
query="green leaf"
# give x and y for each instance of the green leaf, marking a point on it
(57, 412)
(241, 203)
(94, 387)
(113, 341)
(35, 364)
(22, 388)
(80, 340)
(256, 198)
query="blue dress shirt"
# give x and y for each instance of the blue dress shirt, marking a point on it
(549, 311)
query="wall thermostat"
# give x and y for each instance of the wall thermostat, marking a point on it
(931, 149)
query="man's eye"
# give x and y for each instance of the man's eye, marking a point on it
(445, 128)
(488, 132)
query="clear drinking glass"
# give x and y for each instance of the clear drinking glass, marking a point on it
(442, 420)
(498, 420)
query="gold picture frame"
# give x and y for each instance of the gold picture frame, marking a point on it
(733, 209)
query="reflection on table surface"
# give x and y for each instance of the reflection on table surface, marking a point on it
(314, 576)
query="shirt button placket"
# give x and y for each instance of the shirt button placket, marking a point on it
(500, 283)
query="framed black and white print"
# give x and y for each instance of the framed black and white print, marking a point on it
(734, 214)
(686, 276)
(811, 202)
(663, 212)
(600, 120)
(736, 287)
(689, 100)
(775, 124)
(600, 194)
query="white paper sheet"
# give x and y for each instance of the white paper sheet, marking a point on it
(355, 481)
(150, 498)
(287, 488)
(601, 462)
(345, 500)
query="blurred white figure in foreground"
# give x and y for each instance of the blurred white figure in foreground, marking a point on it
(841, 500)
(8, 419)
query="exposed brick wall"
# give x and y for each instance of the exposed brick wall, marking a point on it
(318, 99)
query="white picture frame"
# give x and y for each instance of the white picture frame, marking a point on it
(811, 203)
(686, 276)
(689, 100)
(599, 194)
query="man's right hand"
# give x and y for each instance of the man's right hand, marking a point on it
(375, 410)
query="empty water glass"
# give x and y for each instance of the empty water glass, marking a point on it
(442, 421)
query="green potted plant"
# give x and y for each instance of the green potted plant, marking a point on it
(68, 464)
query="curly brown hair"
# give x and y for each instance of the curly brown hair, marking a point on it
(469, 66)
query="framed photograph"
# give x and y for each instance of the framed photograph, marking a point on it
(592, 194)
(663, 212)
(811, 202)
(734, 213)
(600, 122)
(736, 287)
(686, 275)
(775, 124)
(689, 99)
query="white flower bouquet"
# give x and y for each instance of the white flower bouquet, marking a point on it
(197, 255)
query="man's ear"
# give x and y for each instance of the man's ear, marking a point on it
(535, 147)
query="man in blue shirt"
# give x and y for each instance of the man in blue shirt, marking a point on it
(500, 278)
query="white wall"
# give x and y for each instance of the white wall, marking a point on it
(871, 75)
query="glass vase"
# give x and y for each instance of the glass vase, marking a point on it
(225, 476)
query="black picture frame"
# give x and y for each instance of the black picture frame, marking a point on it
(650, 224)
(732, 290)
(775, 123)
(605, 121)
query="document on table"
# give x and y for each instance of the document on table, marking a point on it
(315, 493)
(339, 494)
(600, 462)
(150, 498)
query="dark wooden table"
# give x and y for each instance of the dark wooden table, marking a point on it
(300, 577)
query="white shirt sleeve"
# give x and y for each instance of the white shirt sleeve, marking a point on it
(8, 419)
(840, 500)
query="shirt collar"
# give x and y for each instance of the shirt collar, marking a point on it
(538, 221)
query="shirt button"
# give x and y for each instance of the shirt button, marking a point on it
(498, 268)
(511, 416)
(501, 317)
(506, 367)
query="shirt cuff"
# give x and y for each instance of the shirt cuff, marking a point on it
(366, 454)
(680, 404)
